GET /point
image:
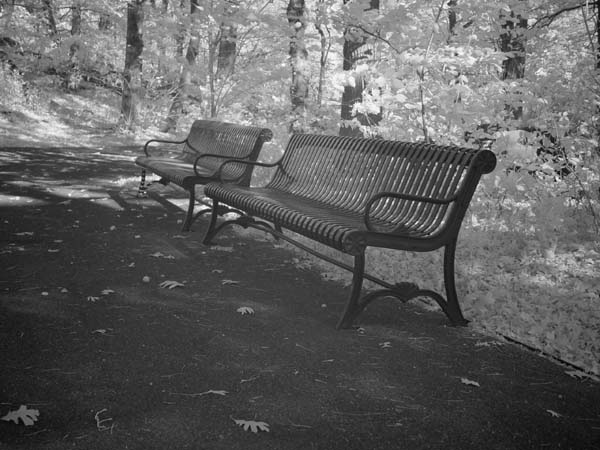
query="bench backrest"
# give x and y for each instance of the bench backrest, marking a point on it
(225, 139)
(345, 172)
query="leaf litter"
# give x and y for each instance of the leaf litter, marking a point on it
(171, 284)
(252, 425)
(26, 415)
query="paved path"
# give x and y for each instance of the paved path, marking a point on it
(112, 360)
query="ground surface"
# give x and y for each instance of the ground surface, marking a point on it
(111, 360)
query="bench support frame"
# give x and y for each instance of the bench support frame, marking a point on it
(403, 291)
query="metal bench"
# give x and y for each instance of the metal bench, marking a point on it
(196, 159)
(351, 193)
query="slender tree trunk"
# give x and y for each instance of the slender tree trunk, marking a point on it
(213, 44)
(132, 73)
(49, 9)
(357, 48)
(181, 95)
(451, 19)
(513, 43)
(73, 78)
(298, 62)
(325, 40)
(227, 41)
(598, 34)
(598, 73)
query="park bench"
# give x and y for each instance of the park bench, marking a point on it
(196, 159)
(352, 193)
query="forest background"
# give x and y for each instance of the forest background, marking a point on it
(519, 77)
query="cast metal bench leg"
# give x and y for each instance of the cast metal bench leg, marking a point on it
(212, 230)
(142, 190)
(354, 305)
(452, 308)
(404, 291)
(189, 218)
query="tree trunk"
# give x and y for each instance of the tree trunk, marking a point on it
(181, 95)
(227, 41)
(513, 42)
(598, 34)
(73, 78)
(451, 20)
(325, 40)
(49, 9)
(298, 62)
(132, 74)
(356, 48)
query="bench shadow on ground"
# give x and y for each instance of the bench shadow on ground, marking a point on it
(113, 360)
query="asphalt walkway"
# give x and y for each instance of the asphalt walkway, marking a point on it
(124, 333)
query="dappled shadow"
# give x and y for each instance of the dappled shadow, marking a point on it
(50, 175)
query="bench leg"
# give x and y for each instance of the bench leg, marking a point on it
(354, 305)
(452, 308)
(212, 231)
(404, 292)
(189, 218)
(142, 189)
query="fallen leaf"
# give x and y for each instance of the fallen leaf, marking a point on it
(469, 382)
(229, 282)
(100, 331)
(252, 425)
(222, 249)
(245, 310)
(215, 392)
(170, 284)
(162, 255)
(28, 416)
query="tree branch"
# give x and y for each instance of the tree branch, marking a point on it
(547, 20)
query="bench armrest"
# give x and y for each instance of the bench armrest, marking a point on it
(417, 198)
(219, 172)
(162, 141)
(211, 155)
